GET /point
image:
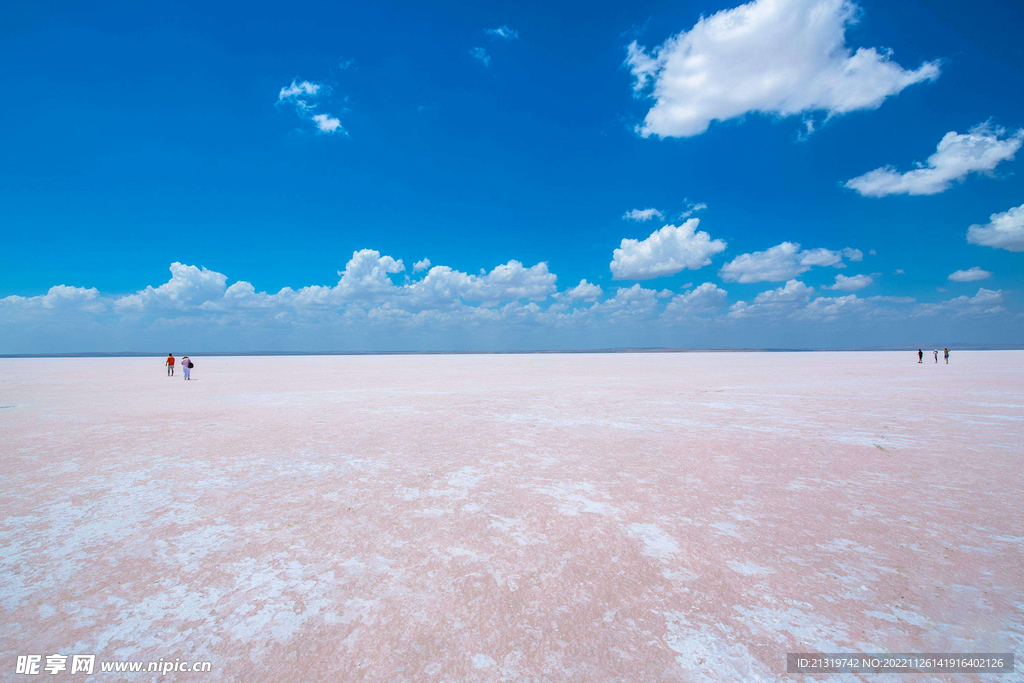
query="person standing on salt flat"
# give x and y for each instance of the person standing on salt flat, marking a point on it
(170, 365)
(945, 352)
(920, 356)
(936, 352)
(186, 367)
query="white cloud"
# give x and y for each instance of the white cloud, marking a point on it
(980, 150)
(707, 299)
(777, 302)
(782, 262)
(299, 96)
(327, 123)
(665, 252)
(189, 286)
(972, 274)
(691, 208)
(1004, 230)
(422, 264)
(59, 299)
(853, 283)
(985, 302)
(584, 291)
(641, 215)
(296, 89)
(503, 32)
(777, 57)
(481, 55)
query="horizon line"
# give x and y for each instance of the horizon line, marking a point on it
(623, 349)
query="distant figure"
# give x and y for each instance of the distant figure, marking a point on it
(920, 356)
(170, 365)
(186, 367)
(945, 352)
(936, 352)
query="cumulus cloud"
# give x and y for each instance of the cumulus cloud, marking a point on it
(986, 301)
(422, 264)
(972, 274)
(327, 123)
(706, 299)
(371, 296)
(188, 286)
(503, 32)
(776, 57)
(59, 298)
(584, 291)
(853, 283)
(1003, 231)
(782, 262)
(480, 54)
(641, 215)
(777, 302)
(979, 150)
(665, 252)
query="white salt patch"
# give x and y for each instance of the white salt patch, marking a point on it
(656, 542)
(481, 661)
(749, 568)
(726, 528)
(467, 477)
(707, 657)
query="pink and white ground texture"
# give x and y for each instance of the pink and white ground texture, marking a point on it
(619, 517)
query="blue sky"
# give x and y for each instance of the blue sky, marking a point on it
(136, 137)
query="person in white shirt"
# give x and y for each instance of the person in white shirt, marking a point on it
(186, 367)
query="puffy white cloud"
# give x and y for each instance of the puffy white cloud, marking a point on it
(641, 215)
(777, 302)
(782, 262)
(480, 54)
(584, 291)
(327, 123)
(305, 88)
(1004, 231)
(979, 150)
(985, 302)
(972, 274)
(665, 252)
(706, 299)
(503, 32)
(853, 283)
(59, 298)
(777, 57)
(422, 264)
(189, 286)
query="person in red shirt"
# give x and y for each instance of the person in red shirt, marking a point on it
(170, 365)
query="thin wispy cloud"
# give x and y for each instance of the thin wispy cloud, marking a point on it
(302, 97)
(305, 88)
(503, 32)
(480, 54)
(642, 215)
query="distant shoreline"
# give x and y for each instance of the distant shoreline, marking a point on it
(146, 354)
